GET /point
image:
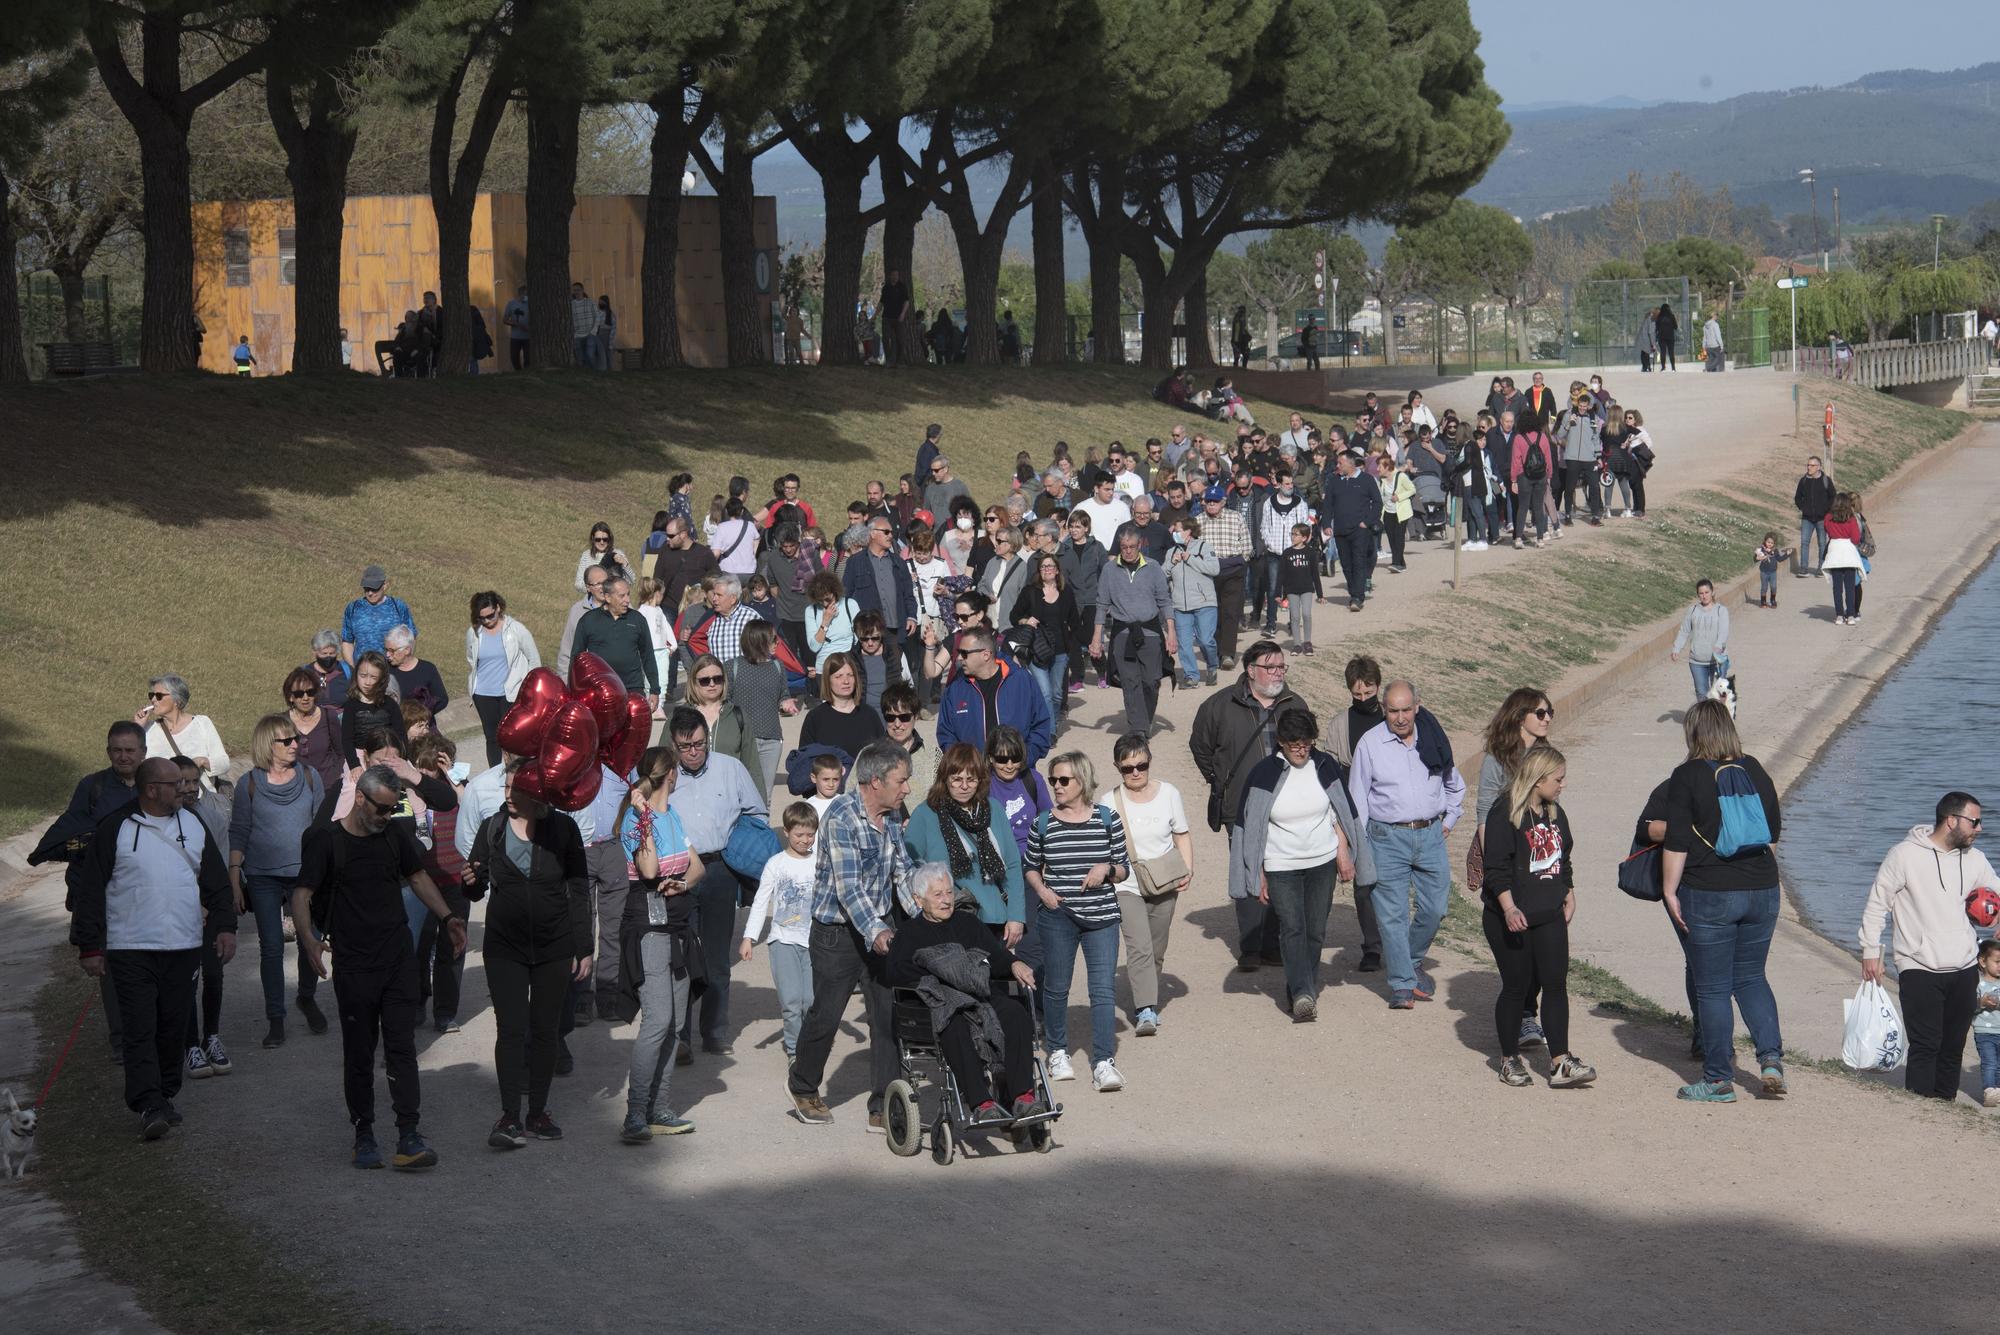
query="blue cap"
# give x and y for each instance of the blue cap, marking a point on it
(1218, 492)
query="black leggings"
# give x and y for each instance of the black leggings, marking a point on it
(963, 1057)
(492, 708)
(1638, 491)
(527, 1010)
(1538, 957)
(1667, 353)
(1397, 527)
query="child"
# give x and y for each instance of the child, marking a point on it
(757, 596)
(244, 358)
(1025, 475)
(785, 893)
(1300, 583)
(877, 668)
(1986, 1022)
(1768, 556)
(757, 687)
(827, 773)
(651, 595)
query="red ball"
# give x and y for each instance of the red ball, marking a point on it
(1983, 907)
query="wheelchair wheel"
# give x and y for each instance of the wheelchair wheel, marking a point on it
(1043, 1137)
(941, 1146)
(902, 1120)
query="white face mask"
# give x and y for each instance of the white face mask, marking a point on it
(965, 523)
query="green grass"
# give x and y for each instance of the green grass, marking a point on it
(163, 1232)
(208, 526)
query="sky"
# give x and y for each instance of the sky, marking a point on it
(1675, 52)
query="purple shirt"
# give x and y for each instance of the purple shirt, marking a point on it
(1390, 784)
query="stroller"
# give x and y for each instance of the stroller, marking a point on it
(923, 1064)
(1431, 510)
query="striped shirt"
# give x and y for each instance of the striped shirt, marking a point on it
(1064, 854)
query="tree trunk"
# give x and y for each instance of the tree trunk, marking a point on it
(1200, 342)
(659, 266)
(902, 206)
(1271, 333)
(551, 199)
(69, 277)
(846, 242)
(979, 257)
(454, 196)
(1388, 335)
(1100, 212)
(166, 306)
(13, 359)
(747, 341)
(1051, 286)
(317, 153)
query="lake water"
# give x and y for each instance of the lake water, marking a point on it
(1932, 727)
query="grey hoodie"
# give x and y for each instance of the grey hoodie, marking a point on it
(1579, 442)
(1704, 633)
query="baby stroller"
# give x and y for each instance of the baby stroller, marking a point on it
(923, 1064)
(1430, 510)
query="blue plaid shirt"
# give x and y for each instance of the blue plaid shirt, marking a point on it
(859, 867)
(364, 624)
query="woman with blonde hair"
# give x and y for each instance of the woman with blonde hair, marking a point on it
(1530, 898)
(1076, 860)
(729, 731)
(275, 805)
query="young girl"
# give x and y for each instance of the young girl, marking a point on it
(651, 596)
(1529, 903)
(1767, 556)
(1986, 1023)
(717, 509)
(1024, 471)
(757, 596)
(757, 686)
(785, 896)
(680, 497)
(1300, 581)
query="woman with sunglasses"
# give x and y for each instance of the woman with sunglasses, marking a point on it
(729, 730)
(1156, 834)
(172, 732)
(275, 804)
(1522, 722)
(1020, 794)
(958, 823)
(1048, 607)
(899, 719)
(317, 725)
(842, 719)
(601, 550)
(499, 655)
(1076, 858)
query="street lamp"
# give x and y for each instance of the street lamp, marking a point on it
(1806, 175)
(1937, 238)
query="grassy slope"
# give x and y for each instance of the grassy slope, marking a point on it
(208, 526)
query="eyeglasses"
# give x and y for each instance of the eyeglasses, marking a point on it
(1140, 768)
(1060, 780)
(871, 639)
(691, 743)
(156, 695)
(598, 537)
(1544, 712)
(1269, 667)
(1007, 760)
(715, 680)
(292, 740)
(897, 718)
(300, 695)
(1974, 821)
(383, 808)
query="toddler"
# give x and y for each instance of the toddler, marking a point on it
(1986, 1022)
(785, 896)
(1299, 579)
(1768, 555)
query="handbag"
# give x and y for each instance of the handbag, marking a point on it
(1475, 865)
(1639, 873)
(1164, 875)
(752, 843)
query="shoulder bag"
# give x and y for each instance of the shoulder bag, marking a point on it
(1164, 875)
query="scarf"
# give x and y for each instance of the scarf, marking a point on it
(976, 823)
(1433, 747)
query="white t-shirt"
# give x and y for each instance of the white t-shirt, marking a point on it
(1152, 825)
(785, 896)
(1129, 485)
(925, 575)
(1302, 832)
(1105, 519)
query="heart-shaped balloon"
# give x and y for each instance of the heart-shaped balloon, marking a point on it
(570, 749)
(580, 794)
(527, 719)
(592, 681)
(529, 781)
(621, 753)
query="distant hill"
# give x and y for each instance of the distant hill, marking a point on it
(1900, 143)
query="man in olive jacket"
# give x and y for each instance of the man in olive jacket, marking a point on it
(1233, 730)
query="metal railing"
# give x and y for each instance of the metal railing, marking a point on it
(1880, 365)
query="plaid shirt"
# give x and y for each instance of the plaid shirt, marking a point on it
(1226, 532)
(725, 633)
(858, 867)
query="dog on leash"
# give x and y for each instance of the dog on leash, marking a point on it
(1724, 689)
(17, 1139)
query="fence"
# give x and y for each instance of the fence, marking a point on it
(110, 315)
(1883, 365)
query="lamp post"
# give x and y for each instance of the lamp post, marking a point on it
(1937, 238)
(1806, 175)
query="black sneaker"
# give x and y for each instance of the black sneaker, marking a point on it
(315, 1017)
(507, 1133)
(543, 1127)
(1371, 962)
(367, 1154)
(584, 1014)
(174, 1117)
(275, 1036)
(153, 1123)
(565, 1063)
(412, 1153)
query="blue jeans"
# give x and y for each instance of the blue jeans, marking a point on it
(1196, 629)
(1845, 581)
(1302, 899)
(1412, 886)
(1989, 1060)
(267, 896)
(583, 351)
(1807, 528)
(1767, 584)
(1061, 935)
(1053, 680)
(415, 914)
(1704, 677)
(1475, 519)
(1729, 938)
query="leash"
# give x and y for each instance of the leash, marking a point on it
(74, 1030)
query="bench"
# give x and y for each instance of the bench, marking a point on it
(79, 358)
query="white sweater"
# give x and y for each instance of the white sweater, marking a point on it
(153, 900)
(1924, 889)
(197, 737)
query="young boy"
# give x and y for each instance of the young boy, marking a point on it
(785, 895)
(1299, 579)
(1768, 555)
(1986, 1023)
(877, 668)
(827, 773)
(244, 358)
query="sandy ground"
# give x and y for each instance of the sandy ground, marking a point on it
(1367, 1173)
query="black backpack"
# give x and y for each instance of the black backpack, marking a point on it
(1535, 466)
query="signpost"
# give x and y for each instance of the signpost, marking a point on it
(1792, 285)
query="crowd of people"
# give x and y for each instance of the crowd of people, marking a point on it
(357, 833)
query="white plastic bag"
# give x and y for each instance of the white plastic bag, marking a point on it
(1875, 1038)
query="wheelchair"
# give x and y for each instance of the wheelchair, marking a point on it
(923, 1066)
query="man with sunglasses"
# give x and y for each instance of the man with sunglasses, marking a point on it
(879, 581)
(594, 580)
(351, 877)
(941, 488)
(986, 692)
(151, 880)
(1923, 887)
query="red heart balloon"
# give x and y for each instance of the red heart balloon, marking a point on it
(527, 719)
(570, 748)
(528, 780)
(621, 753)
(580, 794)
(592, 681)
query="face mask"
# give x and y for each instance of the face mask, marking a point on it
(327, 664)
(965, 523)
(1180, 538)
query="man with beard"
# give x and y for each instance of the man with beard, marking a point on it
(1233, 730)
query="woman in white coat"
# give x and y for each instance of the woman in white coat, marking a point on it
(499, 653)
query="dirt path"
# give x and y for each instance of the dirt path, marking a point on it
(1367, 1172)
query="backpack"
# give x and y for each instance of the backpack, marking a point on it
(1743, 825)
(1535, 464)
(798, 767)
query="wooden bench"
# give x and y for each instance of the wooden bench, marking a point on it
(79, 358)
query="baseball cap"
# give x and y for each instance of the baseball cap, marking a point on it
(1218, 492)
(374, 577)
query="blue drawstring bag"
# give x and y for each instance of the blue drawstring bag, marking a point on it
(1743, 825)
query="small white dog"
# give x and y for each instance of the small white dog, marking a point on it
(1724, 689)
(17, 1139)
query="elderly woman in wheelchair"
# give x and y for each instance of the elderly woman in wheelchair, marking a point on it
(950, 970)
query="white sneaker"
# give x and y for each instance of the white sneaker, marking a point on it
(198, 1067)
(1104, 1077)
(218, 1056)
(1474, 547)
(1059, 1067)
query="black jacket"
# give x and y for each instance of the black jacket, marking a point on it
(962, 928)
(545, 914)
(1813, 497)
(1511, 852)
(1227, 741)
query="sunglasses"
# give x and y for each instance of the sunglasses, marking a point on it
(1140, 768)
(1060, 780)
(1543, 712)
(600, 538)
(382, 808)
(715, 680)
(292, 740)
(871, 639)
(300, 695)
(1008, 760)
(897, 718)
(156, 695)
